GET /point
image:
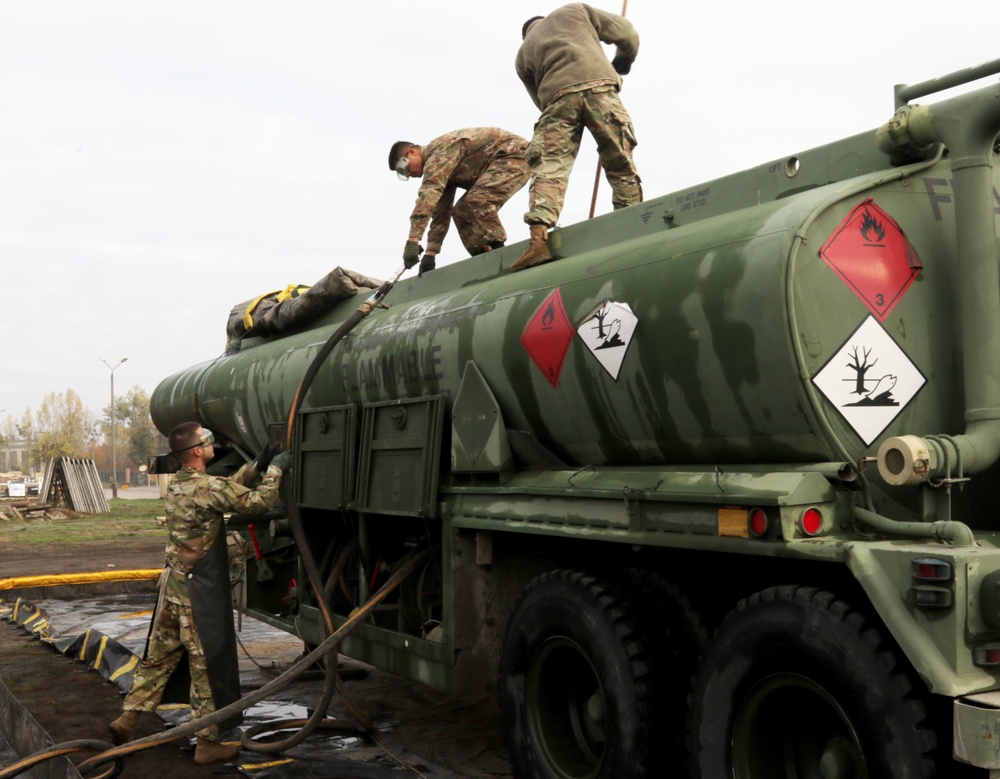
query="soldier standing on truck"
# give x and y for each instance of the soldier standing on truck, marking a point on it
(570, 79)
(194, 611)
(487, 162)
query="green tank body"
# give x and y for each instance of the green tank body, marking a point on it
(725, 469)
(732, 315)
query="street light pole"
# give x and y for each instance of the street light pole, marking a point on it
(114, 463)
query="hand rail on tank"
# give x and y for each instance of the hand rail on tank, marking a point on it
(906, 92)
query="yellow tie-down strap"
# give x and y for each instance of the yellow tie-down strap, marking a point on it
(51, 580)
(291, 291)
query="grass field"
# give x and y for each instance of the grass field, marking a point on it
(128, 519)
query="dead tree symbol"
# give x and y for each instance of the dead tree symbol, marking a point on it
(599, 316)
(861, 368)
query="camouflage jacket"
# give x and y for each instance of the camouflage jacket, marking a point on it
(195, 505)
(453, 161)
(562, 52)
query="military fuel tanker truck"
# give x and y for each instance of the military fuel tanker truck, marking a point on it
(715, 493)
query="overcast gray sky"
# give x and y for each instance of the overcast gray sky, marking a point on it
(162, 161)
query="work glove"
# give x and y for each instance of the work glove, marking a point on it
(622, 65)
(258, 465)
(411, 253)
(426, 264)
(262, 460)
(283, 460)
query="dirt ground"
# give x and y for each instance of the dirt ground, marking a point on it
(437, 735)
(40, 559)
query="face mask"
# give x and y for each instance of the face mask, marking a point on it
(403, 167)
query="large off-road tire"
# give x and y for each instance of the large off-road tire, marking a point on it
(576, 682)
(678, 638)
(797, 684)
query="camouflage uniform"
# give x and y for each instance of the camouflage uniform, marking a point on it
(568, 76)
(489, 164)
(195, 505)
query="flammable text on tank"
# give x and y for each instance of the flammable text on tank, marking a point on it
(410, 367)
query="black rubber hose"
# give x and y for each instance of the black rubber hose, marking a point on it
(346, 326)
(61, 750)
(289, 675)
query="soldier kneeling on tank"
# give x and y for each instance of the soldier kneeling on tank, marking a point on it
(487, 162)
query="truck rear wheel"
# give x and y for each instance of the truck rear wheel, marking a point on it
(679, 639)
(798, 684)
(575, 680)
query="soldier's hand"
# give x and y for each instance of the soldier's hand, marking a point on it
(411, 253)
(622, 65)
(259, 464)
(426, 264)
(262, 460)
(283, 460)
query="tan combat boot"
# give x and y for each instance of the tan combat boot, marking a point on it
(123, 728)
(207, 752)
(538, 250)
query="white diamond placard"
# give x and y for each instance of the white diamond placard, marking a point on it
(607, 332)
(869, 380)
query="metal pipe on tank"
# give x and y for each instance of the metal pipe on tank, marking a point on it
(968, 125)
(907, 92)
(957, 533)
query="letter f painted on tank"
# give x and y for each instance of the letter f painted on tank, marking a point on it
(935, 198)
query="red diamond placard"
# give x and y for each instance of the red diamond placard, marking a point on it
(872, 256)
(548, 335)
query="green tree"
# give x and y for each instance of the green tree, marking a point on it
(63, 428)
(136, 438)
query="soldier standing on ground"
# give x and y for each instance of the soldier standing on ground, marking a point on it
(487, 162)
(569, 78)
(194, 611)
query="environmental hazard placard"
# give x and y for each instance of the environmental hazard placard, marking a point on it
(869, 380)
(872, 256)
(607, 332)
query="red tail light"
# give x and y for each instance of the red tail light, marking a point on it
(811, 522)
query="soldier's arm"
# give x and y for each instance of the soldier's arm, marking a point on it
(441, 220)
(228, 495)
(437, 172)
(617, 30)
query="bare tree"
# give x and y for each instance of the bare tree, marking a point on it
(860, 366)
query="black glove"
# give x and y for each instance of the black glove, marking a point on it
(262, 460)
(283, 460)
(426, 264)
(621, 64)
(411, 253)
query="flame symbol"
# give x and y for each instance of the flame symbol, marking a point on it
(871, 229)
(549, 316)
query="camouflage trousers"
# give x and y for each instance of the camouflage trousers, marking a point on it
(556, 142)
(173, 634)
(476, 214)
